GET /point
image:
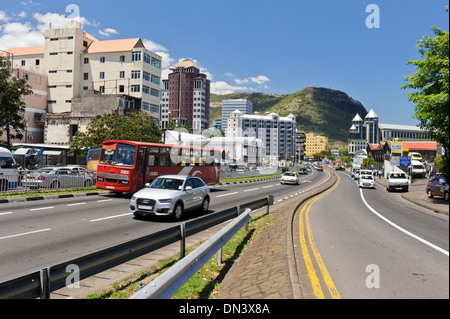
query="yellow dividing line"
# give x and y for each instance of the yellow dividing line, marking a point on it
(308, 261)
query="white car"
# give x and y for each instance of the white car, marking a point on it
(397, 181)
(290, 178)
(171, 195)
(366, 180)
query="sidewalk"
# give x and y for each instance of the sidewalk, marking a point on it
(420, 198)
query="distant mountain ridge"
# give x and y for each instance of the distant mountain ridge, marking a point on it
(321, 111)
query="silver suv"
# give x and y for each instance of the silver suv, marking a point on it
(171, 195)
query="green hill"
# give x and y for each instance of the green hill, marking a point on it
(318, 110)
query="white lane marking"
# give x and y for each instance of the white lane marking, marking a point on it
(269, 186)
(110, 217)
(76, 204)
(43, 208)
(104, 200)
(227, 194)
(8, 213)
(251, 190)
(401, 229)
(23, 234)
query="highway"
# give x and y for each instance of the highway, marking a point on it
(373, 244)
(35, 235)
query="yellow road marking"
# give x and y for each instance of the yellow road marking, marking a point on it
(309, 265)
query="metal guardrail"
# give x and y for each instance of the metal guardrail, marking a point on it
(41, 283)
(168, 283)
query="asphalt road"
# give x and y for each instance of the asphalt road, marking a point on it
(394, 249)
(35, 235)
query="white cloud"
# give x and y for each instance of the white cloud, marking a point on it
(107, 32)
(4, 17)
(31, 33)
(260, 79)
(222, 87)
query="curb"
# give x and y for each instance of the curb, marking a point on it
(32, 199)
(293, 267)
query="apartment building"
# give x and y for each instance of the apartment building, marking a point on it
(36, 105)
(186, 97)
(315, 144)
(77, 64)
(277, 133)
(229, 106)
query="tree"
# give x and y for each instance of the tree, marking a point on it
(135, 127)
(431, 82)
(12, 107)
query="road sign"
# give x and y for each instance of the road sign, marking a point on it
(405, 161)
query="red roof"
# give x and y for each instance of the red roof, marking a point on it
(424, 146)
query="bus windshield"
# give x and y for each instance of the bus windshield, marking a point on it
(119, 154)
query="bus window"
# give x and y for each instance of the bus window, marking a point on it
(93, 157)
(153, 160)
(122, 155)
(164, 150)
(154, 150)
(164, 160)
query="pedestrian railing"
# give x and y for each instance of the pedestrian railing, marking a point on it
(41, 283)
(32, 180)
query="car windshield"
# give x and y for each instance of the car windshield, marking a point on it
(6, 162)
(43, 171)
(167, 183)
(289, 174)
(121, 155)
(398, 176)
(366, 177)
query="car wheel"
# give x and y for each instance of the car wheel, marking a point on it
(87, 183)
(430, 195)
(178, 211)
(205, 205)
(55, 185)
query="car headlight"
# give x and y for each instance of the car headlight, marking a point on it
(165, 201)
(133, 198)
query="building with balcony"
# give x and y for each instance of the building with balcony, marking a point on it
(229, 106)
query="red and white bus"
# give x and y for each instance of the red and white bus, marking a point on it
(126, 166)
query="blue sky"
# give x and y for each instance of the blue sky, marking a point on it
(269, 46)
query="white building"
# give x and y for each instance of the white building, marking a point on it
(229, 106)
(277, 133)
(77, 64)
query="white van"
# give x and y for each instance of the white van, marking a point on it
(9, 172)
(418, 169)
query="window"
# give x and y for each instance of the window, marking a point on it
(38, 61)
(102, 59)
(53, 53)
(102, 75)
(86, 76)
(102, 89)
(54, 39)
(38, 80)
(86, 60)
(146, 89)
(135, 88)
(146, 76)
(122, 74)
(155, 79)
(121, 88)
(23, 63)
(135, 74)
(154, 108)
(155, 92)
(52, 71)
(145, 106)
(122, 58)
(156, 63)
(136, 56)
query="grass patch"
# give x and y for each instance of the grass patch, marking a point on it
(251, 178)
(206, 282)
